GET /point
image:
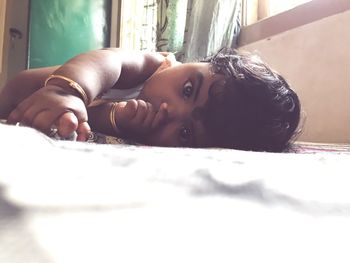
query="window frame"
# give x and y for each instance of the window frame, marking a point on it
(306, 13)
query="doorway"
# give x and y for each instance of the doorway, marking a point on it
(15, 38)
(39, 33)
(61, 29)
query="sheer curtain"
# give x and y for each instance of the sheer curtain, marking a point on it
(194, 29)
(171, 22)
(211, 25)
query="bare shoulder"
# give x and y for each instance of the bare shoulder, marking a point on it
(137, 57)
(137, 66)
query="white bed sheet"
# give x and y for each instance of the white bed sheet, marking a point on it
(78, 202)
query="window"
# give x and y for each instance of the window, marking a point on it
(272, 23)
(138, 24)
(255, 10)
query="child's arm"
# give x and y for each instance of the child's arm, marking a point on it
(95, 71)
(100, 70)
(20, 87)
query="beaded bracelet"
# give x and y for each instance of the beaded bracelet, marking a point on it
(73, 85)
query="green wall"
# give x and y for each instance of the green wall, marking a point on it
(61, 29)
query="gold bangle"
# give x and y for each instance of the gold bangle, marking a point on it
(112, 118)
(73, 85)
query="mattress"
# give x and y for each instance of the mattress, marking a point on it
(63, 201)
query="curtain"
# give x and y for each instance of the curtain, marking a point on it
(171, 22)
(194, 29)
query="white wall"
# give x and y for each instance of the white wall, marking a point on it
(315, 59)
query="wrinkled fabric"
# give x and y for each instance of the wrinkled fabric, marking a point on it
(66, 202)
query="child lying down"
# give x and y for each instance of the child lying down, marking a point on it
(229, 100)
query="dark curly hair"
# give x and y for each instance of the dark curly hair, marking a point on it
(255, 109)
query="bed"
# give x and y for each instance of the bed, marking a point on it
(63, 201)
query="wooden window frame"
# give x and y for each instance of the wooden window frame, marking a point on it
(298, 16)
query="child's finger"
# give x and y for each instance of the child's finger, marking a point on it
(43, 121)
(151, 113)
(24, 115)
(161, 115)
(141, 113)
(67, 124)
(15, 115)
(29, 116)
(83, 131)
(125, 111)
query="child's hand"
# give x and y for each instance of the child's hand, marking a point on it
(68, 123)
(137, 118)
(52, 105)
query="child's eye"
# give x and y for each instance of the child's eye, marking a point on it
(187, 90)
(185, 135)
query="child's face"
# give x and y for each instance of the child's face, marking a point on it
(184, 88)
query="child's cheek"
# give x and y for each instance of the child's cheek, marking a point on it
(146, 92)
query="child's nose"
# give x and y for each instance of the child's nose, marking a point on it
(175, 112)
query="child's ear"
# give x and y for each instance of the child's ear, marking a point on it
(169, 61)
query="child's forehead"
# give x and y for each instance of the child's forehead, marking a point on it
(203, 67)
(192, 69)
(212, 69)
